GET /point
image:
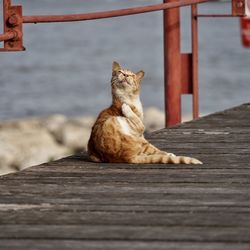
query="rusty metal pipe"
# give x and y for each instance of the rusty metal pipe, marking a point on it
(172, 65)
(112, 13)
(218, 15)
(7, 36)
(195, 49)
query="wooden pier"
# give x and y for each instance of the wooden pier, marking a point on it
(75, 204)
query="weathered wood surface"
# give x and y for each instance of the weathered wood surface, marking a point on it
(75, 204)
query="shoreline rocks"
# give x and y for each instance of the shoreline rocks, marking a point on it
(32, 141)
(29, 142)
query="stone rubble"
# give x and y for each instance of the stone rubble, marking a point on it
(28, 142)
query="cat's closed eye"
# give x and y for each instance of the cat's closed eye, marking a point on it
(123, 74)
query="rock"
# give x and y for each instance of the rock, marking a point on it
(53, 123)
(73, 134)
(20, 149)
(154, 119)
(7, 157)
(21, 124)
(86, 121)
(28, 142)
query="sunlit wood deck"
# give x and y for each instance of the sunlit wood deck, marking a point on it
(75, 204)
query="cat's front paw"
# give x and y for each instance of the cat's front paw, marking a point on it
(126, 110)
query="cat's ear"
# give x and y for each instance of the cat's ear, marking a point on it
(140, 74)
(115, 67)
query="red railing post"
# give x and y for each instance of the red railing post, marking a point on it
(6, 7)
(172, 65)
(12, 26)
(195, 76)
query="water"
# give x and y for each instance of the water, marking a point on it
(67, 67)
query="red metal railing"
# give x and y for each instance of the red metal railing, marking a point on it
(108, 14)
(7, 36)
(180, 70)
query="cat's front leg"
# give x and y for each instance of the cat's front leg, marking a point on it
(127, 111)
(134, 121)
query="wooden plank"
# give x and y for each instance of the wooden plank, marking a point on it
(164, 198)
(131, 233)
(130, 208)
(143, 188)
(121, 245)
(202, 219)
(142, 176)
(124, 201)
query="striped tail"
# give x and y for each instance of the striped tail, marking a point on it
(164, 159)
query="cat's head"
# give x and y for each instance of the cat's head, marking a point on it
(125, 82)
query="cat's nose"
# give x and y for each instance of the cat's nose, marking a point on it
(121, 77)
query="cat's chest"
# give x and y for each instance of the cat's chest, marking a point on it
(137, 104)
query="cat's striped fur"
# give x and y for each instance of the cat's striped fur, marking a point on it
(117, 135)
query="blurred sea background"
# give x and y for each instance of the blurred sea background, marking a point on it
(66, 68)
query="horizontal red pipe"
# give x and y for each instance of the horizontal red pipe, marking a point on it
(218, 15)
(7, 36)
(112, 13)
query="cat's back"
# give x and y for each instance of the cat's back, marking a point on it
(105, 125)
(106, 116)
(105, 135)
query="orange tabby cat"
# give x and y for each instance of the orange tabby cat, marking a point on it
(117, 135)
